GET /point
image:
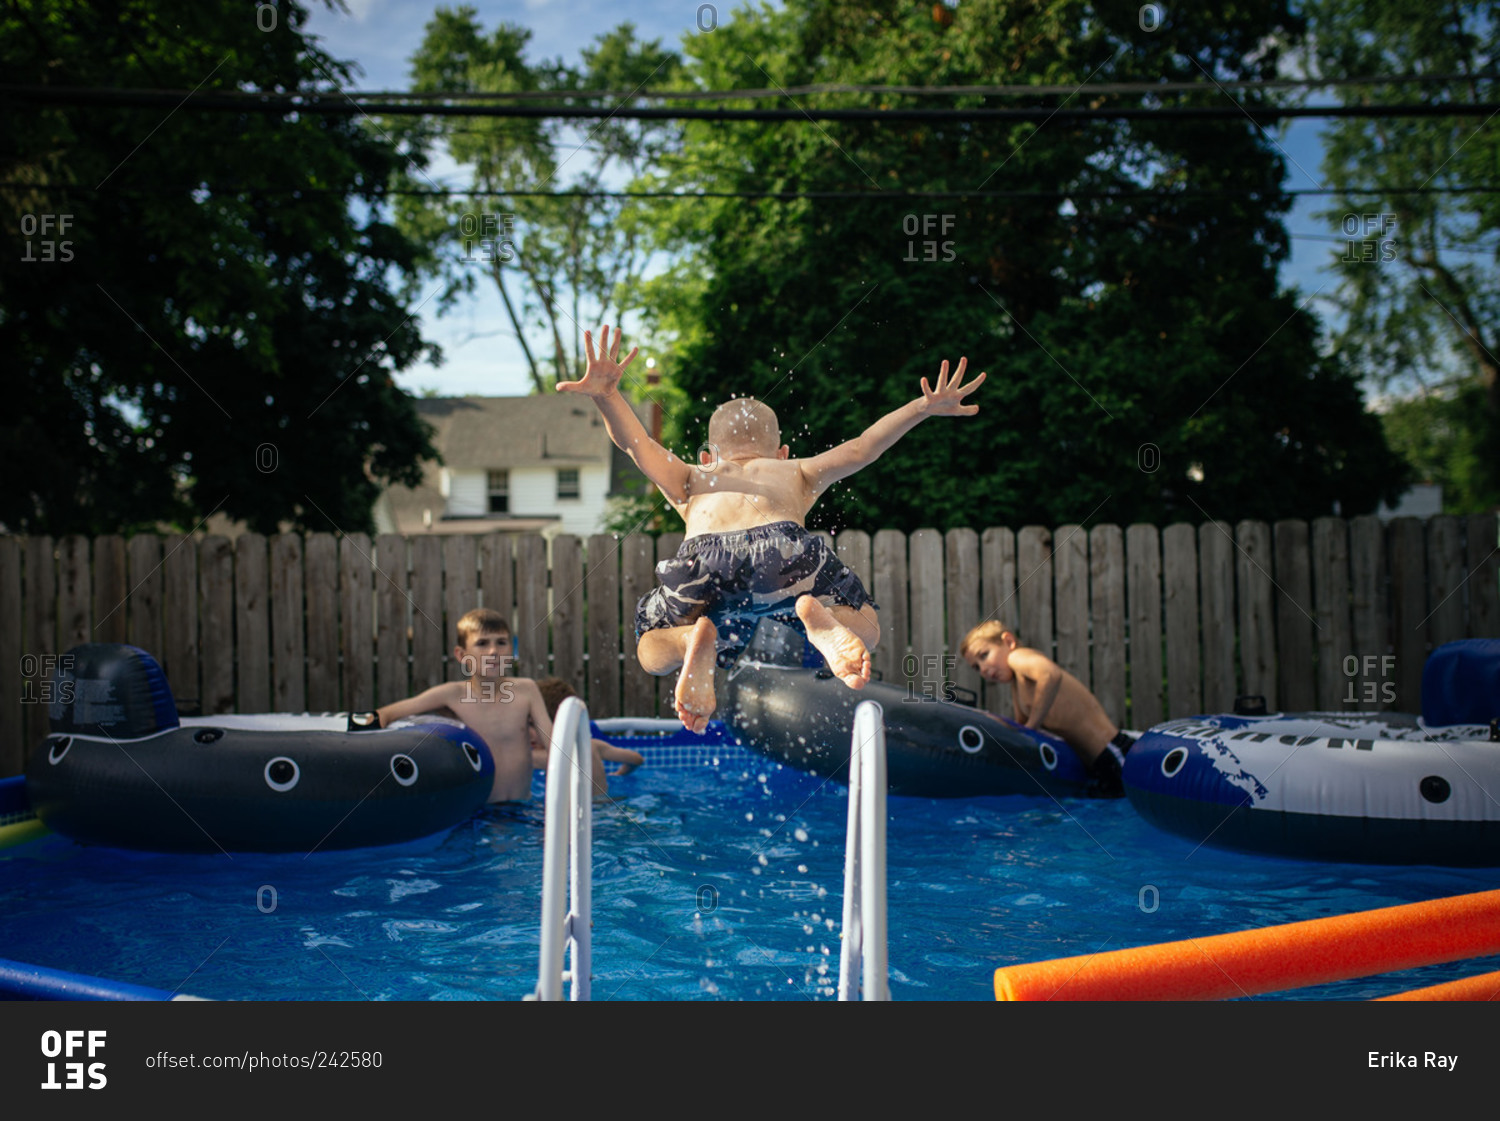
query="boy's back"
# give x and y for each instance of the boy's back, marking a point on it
(1070, 711)
(730, 494)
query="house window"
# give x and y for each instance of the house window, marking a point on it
(499, 487)
(567, 482)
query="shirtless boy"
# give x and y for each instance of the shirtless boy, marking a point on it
(497, 707)
(746, 552)
(554, 691)
(1044, 695)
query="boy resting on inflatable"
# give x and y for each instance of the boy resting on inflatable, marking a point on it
(497, 707)
(554, 691)
(746, 553)
(1044, 695)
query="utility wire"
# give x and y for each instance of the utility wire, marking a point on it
(782, 196)
(1013, 90)
(342, 105)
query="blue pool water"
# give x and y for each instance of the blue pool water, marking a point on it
(710, 883)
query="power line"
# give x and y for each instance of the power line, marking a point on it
(939, 91)
(782, 196)
(340, 104)
(1011, 90)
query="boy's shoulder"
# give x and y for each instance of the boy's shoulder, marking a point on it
(1030, 654)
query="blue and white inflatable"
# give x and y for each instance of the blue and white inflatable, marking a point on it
(1383, 788)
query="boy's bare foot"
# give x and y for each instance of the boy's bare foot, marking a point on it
(847, 656)
(695, 684)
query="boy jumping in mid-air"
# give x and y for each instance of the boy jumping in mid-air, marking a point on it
(747, 554)
(1044, 695)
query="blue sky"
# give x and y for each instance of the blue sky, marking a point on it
(379, 36)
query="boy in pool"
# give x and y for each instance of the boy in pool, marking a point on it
(1044, 695)
(746, 553)
(554, 691)
(497, 707)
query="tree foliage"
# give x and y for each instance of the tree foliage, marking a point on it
(220, 332)
(1420, 288)
(562, 263)
(1143, 363)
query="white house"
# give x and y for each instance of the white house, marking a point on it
(512, 465)
(1422, 500)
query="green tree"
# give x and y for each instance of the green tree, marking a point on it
(1436, 433)
(1420, 291)
(559, 264)
(1143, 363)
(216, 329)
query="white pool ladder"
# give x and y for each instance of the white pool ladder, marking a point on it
(568, 844)
(863, 970)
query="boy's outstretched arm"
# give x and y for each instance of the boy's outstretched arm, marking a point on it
(946, 399)
(445, 698)
(601, 381)
(628, 760)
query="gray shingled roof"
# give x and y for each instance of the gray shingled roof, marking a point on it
(484, 433)
(480, 433)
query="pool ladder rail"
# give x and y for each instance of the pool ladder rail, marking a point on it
(567, 858)
(567, 854)
(863, 968)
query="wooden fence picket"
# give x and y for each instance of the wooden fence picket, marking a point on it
(1180, 607)
(637, 576)
(40, 619)
(1253, 566)
(961, 591)
(1482, 563)
(1331, 596)
(1107, 652)
(1143, 593)
(890, 585)
(603, 594)
(1296, 686)
(1070, 566)
(356, 602)
(997, 599)
(288, 637)
(1409, 612)
(320, 559)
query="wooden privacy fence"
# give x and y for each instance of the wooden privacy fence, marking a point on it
(1329, 615)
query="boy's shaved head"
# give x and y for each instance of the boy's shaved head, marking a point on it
(745, 425)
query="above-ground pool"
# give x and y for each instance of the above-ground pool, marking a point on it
(717, 876)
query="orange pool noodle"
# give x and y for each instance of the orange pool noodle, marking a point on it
(1273, 958)
(1486, 986)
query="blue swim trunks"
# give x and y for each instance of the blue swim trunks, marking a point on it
(739, 578)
